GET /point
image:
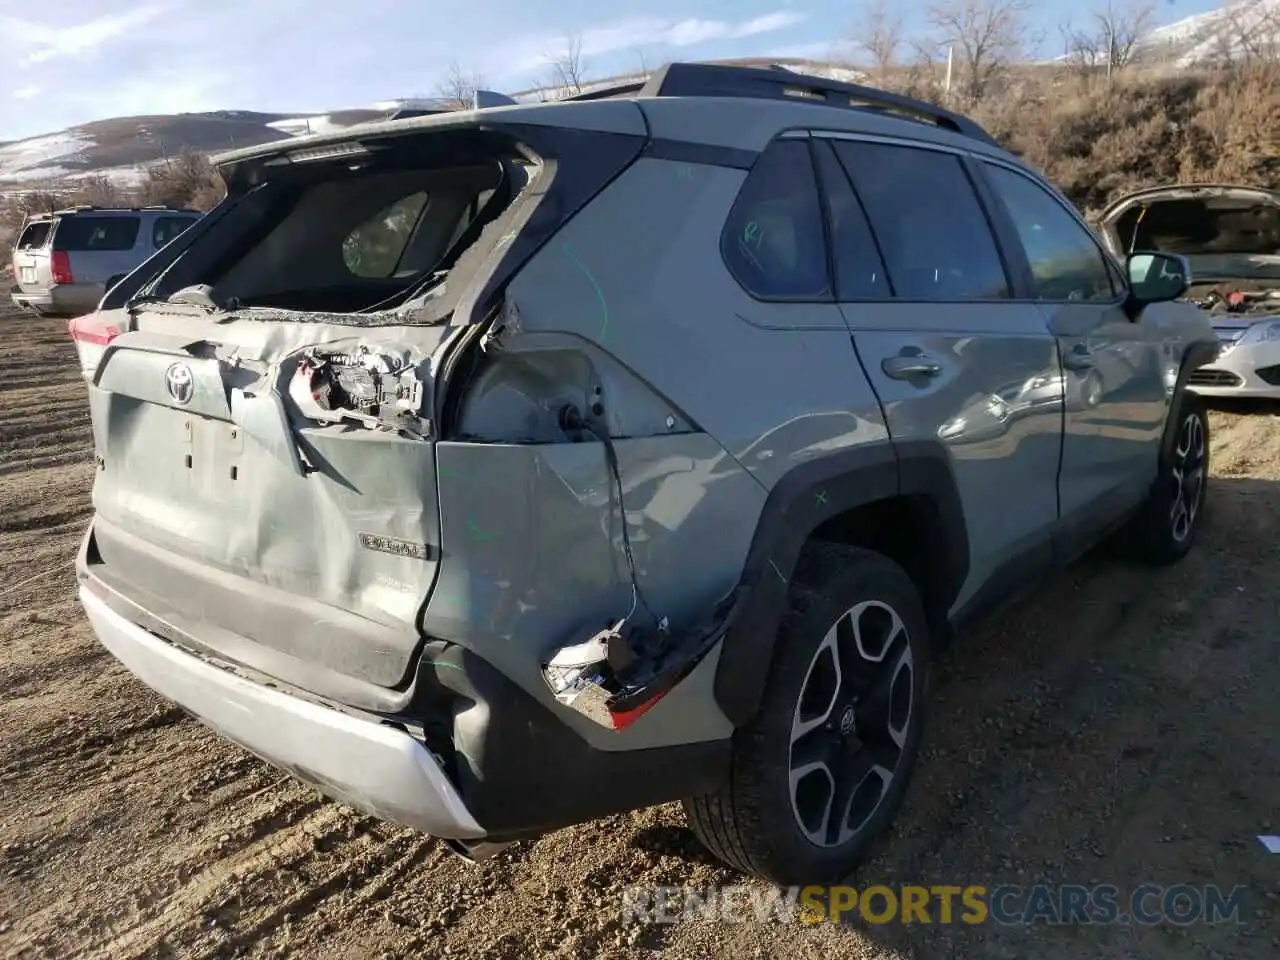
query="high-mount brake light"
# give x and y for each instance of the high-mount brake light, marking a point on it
(313, 154)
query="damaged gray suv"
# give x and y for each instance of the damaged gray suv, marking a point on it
(498, 470)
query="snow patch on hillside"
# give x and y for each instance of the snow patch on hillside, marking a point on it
(304, 126)
(36, 158)
(1233, 30)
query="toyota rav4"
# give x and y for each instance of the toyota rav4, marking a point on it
(498, 470)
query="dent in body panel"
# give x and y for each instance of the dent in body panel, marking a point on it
(533, 558)
(997, 405)
(777, 384)
(241, 480)
(169, 479)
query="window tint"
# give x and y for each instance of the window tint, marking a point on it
(34, 237)
(859, 271)
(1065, 260)
(935, 238)
(773, 241)
(166, 228)
(96, 233)
(374, 248)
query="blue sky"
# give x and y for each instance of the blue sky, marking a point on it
(80, 60)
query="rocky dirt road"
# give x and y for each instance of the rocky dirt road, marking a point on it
(1118, 726)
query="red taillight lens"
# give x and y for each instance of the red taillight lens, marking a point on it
(60, 267)
(91, 329)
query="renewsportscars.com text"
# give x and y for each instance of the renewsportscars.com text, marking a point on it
(1147, 904)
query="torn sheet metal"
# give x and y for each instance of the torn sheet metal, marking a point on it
(622, 672)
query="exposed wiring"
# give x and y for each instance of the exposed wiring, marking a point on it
(571, 419)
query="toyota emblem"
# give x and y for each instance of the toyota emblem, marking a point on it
(180, 383)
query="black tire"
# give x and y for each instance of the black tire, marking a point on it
(752, 822)
(1164, 529)
(111, 283)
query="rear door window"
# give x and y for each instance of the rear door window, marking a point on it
(166, 229)
(78, 234)
(928, 221)
(773, 240)
(375, 248)
(35, 236)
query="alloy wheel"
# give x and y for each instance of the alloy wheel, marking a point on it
(849, 730)
(1188, 474)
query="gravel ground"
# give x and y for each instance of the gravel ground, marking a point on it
(1118, 726)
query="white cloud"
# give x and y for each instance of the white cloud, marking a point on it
(26, 93)
(52, 42)
(639, 33)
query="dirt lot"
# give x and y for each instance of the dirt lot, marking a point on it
(1117, 727)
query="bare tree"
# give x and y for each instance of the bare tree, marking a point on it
(566, 69)
(985, 37)
(643, 65)
(878, 36)
(1111, 39)
(458, 88)
(1250, 32)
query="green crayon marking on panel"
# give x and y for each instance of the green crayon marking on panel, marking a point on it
(604, 307)
(476, 532)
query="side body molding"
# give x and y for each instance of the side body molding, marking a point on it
(802, 501)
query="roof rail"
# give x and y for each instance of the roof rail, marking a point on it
(629, 89)
(778, 83)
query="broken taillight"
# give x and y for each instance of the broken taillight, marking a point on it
(91, 328)
(60, 267)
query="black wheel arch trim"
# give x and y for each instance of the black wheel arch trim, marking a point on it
(1196, 355)
(803, 500)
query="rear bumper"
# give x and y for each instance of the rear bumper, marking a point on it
(499, 765)
(372, 766)
(70, 300)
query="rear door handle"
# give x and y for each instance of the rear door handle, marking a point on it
(904, 367)
(1078, 359)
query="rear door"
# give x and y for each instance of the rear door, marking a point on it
(1114, 367)
(953, 353)
(31, 257)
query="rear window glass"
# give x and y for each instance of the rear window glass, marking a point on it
(96, 233)
(357, 243)
(35, 236)
(167, 228)
(773, 241)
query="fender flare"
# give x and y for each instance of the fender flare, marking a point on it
(1196, 355)
(801, 501)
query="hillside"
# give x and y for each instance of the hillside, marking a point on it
(1240, 30)
(122, 148)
